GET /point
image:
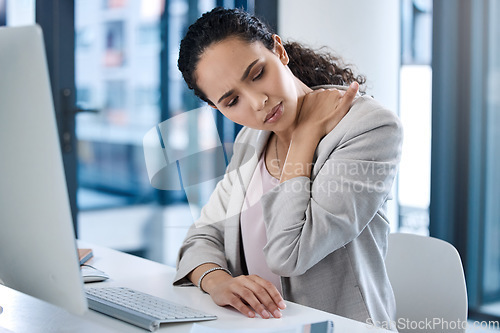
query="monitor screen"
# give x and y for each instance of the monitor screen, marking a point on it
(37, 244)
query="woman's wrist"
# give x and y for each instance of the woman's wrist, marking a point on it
(211, 270)
(214, 278)
(308, 132)
(300, 155)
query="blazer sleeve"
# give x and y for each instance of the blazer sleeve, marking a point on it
(204, 242)
(306, 219)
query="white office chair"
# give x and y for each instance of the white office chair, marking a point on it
(428, 281)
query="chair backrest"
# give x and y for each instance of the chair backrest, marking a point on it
(427, 277)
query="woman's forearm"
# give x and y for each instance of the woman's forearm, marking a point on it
(299, 159)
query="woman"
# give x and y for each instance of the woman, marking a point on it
(300, 211)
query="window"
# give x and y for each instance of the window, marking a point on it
(114, 75)
(148, 34)
(126, 66)
(114, 55)
(17, 12)
(415, 113)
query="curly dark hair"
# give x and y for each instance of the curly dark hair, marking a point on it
(318, 67)
(312, 67)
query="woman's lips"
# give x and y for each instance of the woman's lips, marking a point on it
(275, 113)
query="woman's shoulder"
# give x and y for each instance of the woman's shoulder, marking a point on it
(368, 112)
(362, 104)
(367, 120)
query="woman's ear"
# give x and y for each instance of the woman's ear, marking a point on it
(279, 50)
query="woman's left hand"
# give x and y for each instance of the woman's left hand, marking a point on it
(322, 109)
(320, 112)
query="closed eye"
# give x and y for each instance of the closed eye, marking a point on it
(233, 102)
(259, 75)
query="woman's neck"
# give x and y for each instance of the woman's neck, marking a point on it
(302, 91)
(284, 137)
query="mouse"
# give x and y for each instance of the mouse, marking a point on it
(92, 274)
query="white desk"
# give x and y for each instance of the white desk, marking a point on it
(22, 313)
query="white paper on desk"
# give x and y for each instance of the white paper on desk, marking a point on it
(321, 327)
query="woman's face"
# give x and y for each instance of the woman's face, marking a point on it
(249, 84)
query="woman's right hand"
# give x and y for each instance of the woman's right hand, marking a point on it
(245, 293)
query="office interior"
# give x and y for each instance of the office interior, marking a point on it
(435, 63)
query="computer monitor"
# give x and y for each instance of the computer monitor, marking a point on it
(37, 245)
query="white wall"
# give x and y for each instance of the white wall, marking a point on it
(364, 32)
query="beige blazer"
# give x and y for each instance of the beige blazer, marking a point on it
(327, 235)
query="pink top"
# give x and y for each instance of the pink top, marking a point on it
(253, 230)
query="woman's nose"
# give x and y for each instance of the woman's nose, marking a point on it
(258, 101)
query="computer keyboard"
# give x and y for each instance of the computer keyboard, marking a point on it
(140, 309)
